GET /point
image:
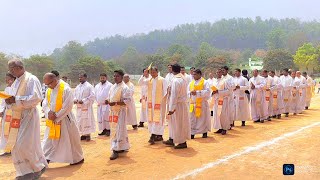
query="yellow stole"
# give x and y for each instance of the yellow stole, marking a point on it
(154, 112)
(198, 102)
(13, 116)
(55, 128)
(115, 96)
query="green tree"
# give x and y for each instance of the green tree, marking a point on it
(276, 39)
(3, 69)
(38, 65)
(278, 59)
(306, 58)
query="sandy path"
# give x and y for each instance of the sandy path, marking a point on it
(160, 162)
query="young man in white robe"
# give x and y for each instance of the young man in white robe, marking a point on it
(170, 75)
(286, 82)
(101, 92)
(258, 104)
(211, 80)
(241, 101)
(118, 99)
(199, 94)
(8, 90)
(231, 86)
(277, 96)
(185, 75)
(84, 99)
(157, 104)
(178, 111)
(131, 106)
(309, 89)
(269, 91)
(61, 141)
(143, 82)
(23, 117)
(220, 95)
(295, 106)
(302, 91)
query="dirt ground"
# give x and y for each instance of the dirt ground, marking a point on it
(216, 157)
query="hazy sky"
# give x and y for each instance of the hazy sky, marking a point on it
(38, 26)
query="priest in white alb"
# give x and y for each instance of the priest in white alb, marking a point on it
(295, 106)
(118, 99)
(230, 86)
(268, 92)
(84, 99)
(302, 91)
(22, 116)
(131, 106)
(309, 89)
(258, 103)
(199, 94)
(178, 111)
(157, 101)
(8, 90)
(277, 101)
(61, 141)
(143, 82)
(220, 95)
(101, 94)
(242, 112)
(286, 82)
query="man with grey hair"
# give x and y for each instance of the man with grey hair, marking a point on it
(24, 135)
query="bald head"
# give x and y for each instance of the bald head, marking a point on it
(50, 80)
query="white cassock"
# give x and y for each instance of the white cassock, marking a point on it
(230, 86)
(27, 154)
(85, 117)
(201, 124)
(295, 106)
(269, 94)
(66, 149)
(188, 77)
(120, 140)
(178, 102)
(221, 105)
(277, 91)
(101, 93)
(258, 103)
(131, 106)
(302, 93)
(3, 139)
(286, 82)
(309, 91)
(242, 112)
(143, 82)
(169, 77)
(158, 128)
(211, 100)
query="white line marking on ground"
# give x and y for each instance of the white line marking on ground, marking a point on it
(250, 149)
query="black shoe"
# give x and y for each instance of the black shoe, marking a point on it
(141, 124)
(243, 123)
(211, 113)
(103, 132)
(80, 162)
(181, 146)
(204, 135)
(135, 127)
(257, 121)
(37, 175)
(274, 116)
(26, 176)
(269, 119)
(114, 155)
(287, 115)
(169, 142)
(88, 138)
(192, 136)
(151, 140)
(83, 138)
(306, 107)
(219, 131)
(279, 116)
(224, 132)
(48, 161)
(294, 114)
(158, 138)
(262, 121)
(108, 132)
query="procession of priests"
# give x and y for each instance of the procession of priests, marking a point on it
(188, 105)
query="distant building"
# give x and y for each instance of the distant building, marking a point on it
(255, 64)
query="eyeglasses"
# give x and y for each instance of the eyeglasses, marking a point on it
(49, 83)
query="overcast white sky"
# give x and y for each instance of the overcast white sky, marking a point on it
(38, 26)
